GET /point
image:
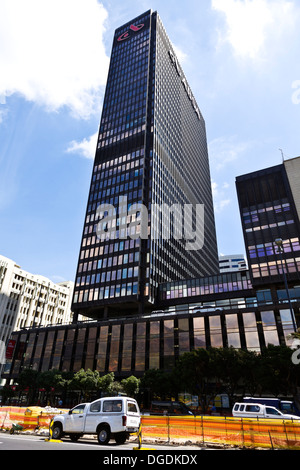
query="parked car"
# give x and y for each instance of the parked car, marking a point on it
(108, 417)
(257, 410)
(207, 309)
(285, 406)
(169, 408)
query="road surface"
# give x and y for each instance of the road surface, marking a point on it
(33, 442)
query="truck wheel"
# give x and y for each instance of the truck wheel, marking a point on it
(57, 431)
(121, 437)
(103, 435)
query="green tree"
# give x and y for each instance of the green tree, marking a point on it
(194, 372)
(159, 384)
(28, 379)
(86, 381)
(52, 381)
(227, 366)
(106, 383)
(7, 392)
(250, 373)
(131, 386)
(278, 373)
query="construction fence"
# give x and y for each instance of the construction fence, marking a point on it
(201, 430)
(32, 418)
(240, 432)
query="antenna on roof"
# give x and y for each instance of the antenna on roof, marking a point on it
(282, 155)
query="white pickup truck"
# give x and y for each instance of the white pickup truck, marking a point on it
(257, 410)
(108, 417)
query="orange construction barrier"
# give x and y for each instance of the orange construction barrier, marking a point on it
(241, 432)
(30, 418)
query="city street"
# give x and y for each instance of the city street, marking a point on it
(33, 442)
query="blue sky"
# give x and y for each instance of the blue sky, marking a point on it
(241, 58)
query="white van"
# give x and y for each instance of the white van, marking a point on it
(257, 410)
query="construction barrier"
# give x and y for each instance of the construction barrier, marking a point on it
(241, 432)
(30, 418)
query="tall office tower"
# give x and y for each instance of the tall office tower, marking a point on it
(269, 202)
(145, 222)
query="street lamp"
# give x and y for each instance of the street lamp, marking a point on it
(279, 244)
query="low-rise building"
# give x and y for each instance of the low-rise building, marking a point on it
(232, 263)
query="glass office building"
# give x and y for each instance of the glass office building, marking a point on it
(268, 201)
(149, 217)
(216, 311)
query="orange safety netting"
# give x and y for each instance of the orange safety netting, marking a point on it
(241, 432)
(28, 418)
(232, 431)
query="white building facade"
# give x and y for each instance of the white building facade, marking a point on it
(29, 300)
(232, 263)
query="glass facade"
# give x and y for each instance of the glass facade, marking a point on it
(91, 348)
(151, 142)
(269, 328)
(56, 359)
(102, 349)
(251, 332)
(223, 283)
(127, 347)
(154, 341)
(199, 332)
(140, 347)
(154, 345)
(48, 351)
(183, 335)
(268, 212)
(233, 332)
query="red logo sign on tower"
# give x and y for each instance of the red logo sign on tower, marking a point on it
(127, 34)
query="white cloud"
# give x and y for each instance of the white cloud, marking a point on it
(52, 53)
(86, 147)
(252, 23)
(220, 198)
(181, 55)
(3, 113)
(226, 150)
